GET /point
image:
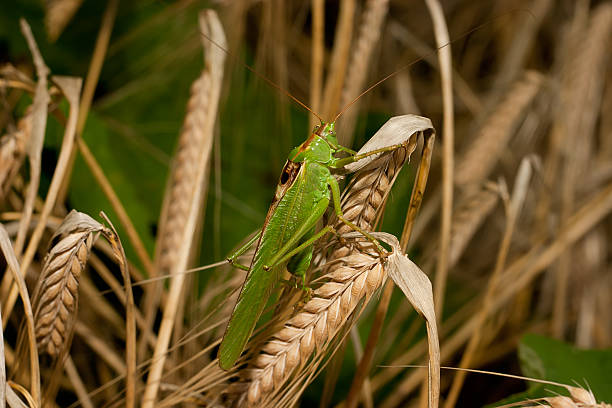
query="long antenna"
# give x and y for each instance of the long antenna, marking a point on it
(270, 82)
(465, 34)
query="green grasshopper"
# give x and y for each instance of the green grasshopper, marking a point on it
(303, 194)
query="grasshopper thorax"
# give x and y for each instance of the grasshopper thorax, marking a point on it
(319, 147)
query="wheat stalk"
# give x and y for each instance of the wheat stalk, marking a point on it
(189, 193)
(57, 293)
(370, 30)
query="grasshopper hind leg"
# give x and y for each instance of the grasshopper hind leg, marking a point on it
(335, 190)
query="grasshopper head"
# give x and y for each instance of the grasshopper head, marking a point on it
(328, 132)
(319, 147)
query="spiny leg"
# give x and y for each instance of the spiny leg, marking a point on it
(356, 157)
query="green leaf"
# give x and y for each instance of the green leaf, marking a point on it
(548, 359)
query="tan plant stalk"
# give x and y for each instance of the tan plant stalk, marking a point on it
(368, 38)
(513, 210)
(339, 59)
(91, 82)
(130, 320)
(12, 152)
(448, 149)
(117, 205)
(77, 383)
(55, 299)
(34, 148)
(317, 57)
(71, 88)
(174, 253)
(2, 368)
(13, 265)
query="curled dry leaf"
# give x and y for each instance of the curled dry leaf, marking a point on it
(417, 288)
(56, 295)
(396, 131)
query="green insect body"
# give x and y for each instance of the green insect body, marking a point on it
(301, 198)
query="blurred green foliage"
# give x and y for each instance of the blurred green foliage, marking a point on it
(553, 360)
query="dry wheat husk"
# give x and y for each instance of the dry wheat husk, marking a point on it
(12, 152)
(55, 299)
(470, 214)
(579, 398)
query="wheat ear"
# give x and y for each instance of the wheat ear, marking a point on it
(489, 143)
(57, 293)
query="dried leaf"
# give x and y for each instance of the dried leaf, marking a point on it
(417, 288)
(396, 131)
